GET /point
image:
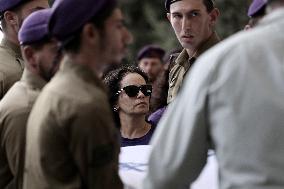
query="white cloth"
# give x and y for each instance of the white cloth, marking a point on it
(133, 164)
(232, 101)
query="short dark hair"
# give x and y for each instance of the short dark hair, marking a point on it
(112, 81)
(39, 44)
(74, 42)
(209, 4)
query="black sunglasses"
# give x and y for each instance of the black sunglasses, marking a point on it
(133, 90)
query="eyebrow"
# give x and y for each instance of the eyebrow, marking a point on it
(37, 8)
(187, 12)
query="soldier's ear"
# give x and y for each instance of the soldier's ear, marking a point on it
(11, 19)
(29, 57)
(214, 14)
(90, 33)
(169, 16)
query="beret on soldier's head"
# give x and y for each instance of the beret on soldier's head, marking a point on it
(168, 4)
(9, 4)
(35, 27)
(68, 16)
(256, 7)
(151, 51)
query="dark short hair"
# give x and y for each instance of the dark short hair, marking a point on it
(39, 44)
(112, 81)
(209, 4)
(74, 42)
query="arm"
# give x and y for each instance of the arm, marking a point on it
(14, 137)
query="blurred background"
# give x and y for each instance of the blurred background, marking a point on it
(147, 21)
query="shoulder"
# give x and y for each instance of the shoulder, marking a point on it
(16, 98)
(5, 55)
(67, 98)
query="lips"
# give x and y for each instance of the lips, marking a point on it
(187, 38)
(141, 103)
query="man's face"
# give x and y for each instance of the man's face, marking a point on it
(116, 38)
(31, 6)
(151, 66)
(191, 22)
(45, 57)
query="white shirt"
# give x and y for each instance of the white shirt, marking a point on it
(233, 102)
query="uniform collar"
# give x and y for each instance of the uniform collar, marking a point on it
(33, 80)
(15, 49)
(184, 57)
(84, 72)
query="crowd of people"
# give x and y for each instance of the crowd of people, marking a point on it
(67, 104)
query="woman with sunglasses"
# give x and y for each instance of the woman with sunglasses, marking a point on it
(129, 96)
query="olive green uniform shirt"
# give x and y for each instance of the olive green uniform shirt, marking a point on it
(181, 64)
(14, 111)
(11, 65)
(71, 139)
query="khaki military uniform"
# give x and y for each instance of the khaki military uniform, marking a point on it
(71, 138)
(11, 65)
(180, 64)
(14, 111)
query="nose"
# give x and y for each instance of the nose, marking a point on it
(140, 95)
(148, 68)
(186, 23)
(128, 37)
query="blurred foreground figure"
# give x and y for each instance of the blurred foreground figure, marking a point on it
(71, 138)
(39, 51)
(233, 103)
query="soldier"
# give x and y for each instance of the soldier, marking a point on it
(193, 22)
(150, 60)
(38, 51)
(71, 138)
(12, 14)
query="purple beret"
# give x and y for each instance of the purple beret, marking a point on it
(35, 27)
(69, 16)
(151, 51)
(9, 4)
(168, 4)
(256, 7)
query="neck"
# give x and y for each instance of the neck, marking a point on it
(191, 52)
(87, 60)
(133, 126)
(12, 36)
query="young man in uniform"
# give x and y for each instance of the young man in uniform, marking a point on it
(39, 51)
(193, 22)
(71, 138)
(12, 14)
